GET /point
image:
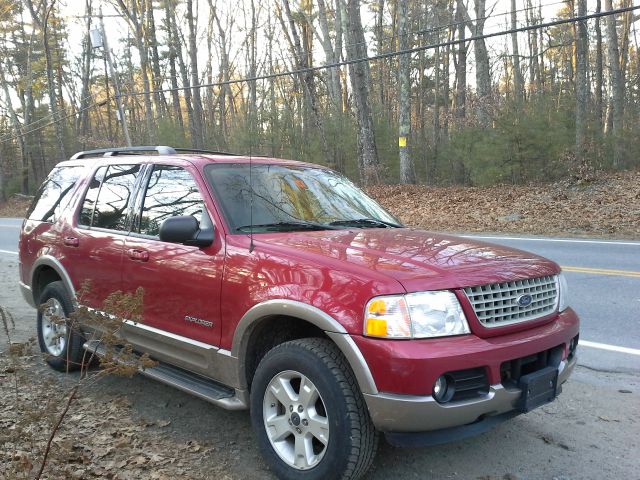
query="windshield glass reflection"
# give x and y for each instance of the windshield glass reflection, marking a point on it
(291, 197)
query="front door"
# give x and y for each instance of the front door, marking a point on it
(181, 284)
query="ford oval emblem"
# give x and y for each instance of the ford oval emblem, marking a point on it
(524, 300)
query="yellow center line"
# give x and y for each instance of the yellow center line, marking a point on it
(602, 271)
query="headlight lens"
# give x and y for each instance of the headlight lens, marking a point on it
(416, 315)
(563, 292)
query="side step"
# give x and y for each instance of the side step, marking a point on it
(189, 382)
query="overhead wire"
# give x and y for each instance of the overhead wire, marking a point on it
(379, 56)
(394, 53)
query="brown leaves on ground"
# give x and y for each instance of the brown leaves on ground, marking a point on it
(607, 207)
(99, 439)
(15, 207)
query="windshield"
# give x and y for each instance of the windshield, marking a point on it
(291, 197)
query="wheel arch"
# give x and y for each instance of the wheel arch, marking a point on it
(47, 269)
(276, 321)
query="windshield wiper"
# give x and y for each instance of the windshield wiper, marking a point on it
(366, 222)
(289, 225)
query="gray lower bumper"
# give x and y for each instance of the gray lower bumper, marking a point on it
(406, 413)
(27, 294)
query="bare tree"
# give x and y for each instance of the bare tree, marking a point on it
(198, 132)
(617, 86)
(581, 83)
(368, 163)
(407, 172)
(518, 81)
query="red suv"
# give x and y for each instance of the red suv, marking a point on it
(280, 287)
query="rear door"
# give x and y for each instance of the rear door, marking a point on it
(92, 242)
(181, 283)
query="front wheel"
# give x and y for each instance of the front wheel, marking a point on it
(309, 415)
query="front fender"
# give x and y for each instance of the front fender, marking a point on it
(290, 308)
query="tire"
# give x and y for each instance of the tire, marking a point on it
(62, 344)
(329, 418)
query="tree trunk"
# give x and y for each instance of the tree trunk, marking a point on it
(407, 173)
(173, 72)
(156, 75)
(599, 70)
(369, 165)
(581, 82)
(518, 81)
(617, 87)
(461, 62)
(84, 117)
(198, 136)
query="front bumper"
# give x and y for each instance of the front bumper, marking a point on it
(404, 373)
(407, 413)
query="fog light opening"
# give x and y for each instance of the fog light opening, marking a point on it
(443, 389)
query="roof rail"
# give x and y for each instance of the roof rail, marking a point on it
(214, 152)
(109, 152)
(161, 149)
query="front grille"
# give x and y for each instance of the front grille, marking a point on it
(496, 304)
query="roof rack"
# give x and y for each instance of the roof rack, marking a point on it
(160, 149)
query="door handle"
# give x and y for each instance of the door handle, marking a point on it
(140, 255)
(71, 241)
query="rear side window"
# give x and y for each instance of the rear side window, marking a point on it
(53, 195)
(171, 191)
(109, 196)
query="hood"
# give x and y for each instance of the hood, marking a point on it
(418, 259)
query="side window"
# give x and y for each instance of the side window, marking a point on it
(90, 197)
(171, 191)
(108, 197)
(50, 198)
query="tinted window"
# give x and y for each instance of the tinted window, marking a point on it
(171, 191)
(285, 194)
(91, 196)
(53, 195)
(113, 199)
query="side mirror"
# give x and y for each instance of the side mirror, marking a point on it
(186, 230)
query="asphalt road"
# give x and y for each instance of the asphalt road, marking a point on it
(590, 432)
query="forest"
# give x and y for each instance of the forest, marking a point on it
(440, 92)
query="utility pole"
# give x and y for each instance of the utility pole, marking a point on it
(100, 40)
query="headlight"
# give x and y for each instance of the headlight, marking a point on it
(563, 292)
(416, 315)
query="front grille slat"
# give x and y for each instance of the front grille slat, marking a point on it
(495, 304)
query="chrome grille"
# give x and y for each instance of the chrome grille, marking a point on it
(496, 304)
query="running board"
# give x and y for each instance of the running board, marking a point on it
(189, 382)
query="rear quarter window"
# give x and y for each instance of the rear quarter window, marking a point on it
(53, 194)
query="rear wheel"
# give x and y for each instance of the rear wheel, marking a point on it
(57, 337)
(309, 415)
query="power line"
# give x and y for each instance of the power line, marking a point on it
(395, 53)
(381, 56)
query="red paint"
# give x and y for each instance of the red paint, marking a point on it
(336, 271)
